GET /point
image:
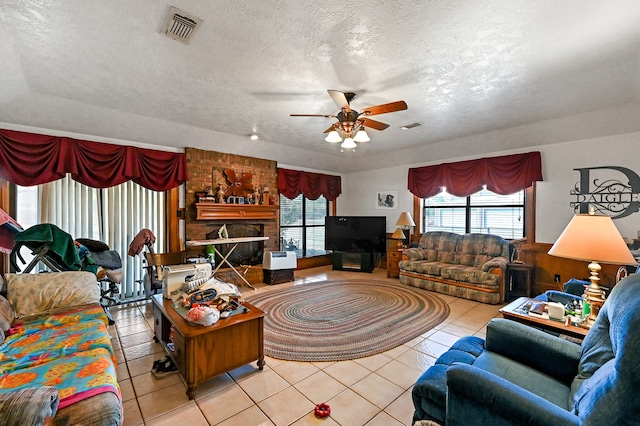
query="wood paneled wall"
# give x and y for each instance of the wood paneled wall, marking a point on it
(548, 266)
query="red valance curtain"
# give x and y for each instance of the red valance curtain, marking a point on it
(502, 175)
(29, 159)
(292, 183)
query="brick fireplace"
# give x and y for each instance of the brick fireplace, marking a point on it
(203, 220)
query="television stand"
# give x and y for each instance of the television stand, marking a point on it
(356, 262)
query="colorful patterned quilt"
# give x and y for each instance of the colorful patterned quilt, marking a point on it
(71, 351)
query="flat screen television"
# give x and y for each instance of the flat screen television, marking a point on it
(355, 234)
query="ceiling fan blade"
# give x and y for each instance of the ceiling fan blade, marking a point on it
(333, 127)
(339, 99)
(313, 115)
(374, 124)
(384, 108)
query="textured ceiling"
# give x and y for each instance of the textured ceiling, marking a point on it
(464, 68)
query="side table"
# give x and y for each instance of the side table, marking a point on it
(513, 269)
(200, 352)
(394, 256)
(518, 311)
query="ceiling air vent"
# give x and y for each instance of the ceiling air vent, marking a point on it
(410, 126)
(180, 25)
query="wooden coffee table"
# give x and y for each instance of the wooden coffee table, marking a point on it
(516, 311)
(200, 352)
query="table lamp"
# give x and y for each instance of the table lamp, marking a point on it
(406, 221)
(399, 235)
(593, 238)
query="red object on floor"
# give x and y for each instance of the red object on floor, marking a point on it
(322, 410)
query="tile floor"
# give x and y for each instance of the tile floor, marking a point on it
(370, 391)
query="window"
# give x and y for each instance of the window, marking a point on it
(484, 212)
(112, 215)
(302, 225)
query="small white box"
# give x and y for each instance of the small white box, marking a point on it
(278, 260)
(556, 310)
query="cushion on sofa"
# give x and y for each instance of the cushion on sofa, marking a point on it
(485, 244)
(418, 253)
(31, 294)
(7, 314)
(439, 240)
(446, 256)
(425, 267)
(471, 275)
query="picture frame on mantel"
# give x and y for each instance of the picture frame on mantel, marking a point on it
(387, 200)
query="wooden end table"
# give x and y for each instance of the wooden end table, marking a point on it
(515, 311)
(200, 352)
(394, 256)
(527, 270)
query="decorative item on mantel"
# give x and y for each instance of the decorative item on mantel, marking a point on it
(206, 196)
(220, 194)
(239, 186)
(256, 196)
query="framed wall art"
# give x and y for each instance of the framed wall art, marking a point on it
(387, 200)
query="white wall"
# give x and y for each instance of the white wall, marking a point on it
(362, 189)
(553, 194)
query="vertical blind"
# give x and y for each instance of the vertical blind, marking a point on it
(113, 215)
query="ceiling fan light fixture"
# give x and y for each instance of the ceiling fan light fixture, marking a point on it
(348, 143)
(333, 137)
(361, 136)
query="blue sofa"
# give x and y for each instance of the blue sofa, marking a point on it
(523, 376)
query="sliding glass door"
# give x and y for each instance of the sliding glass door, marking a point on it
(113, 215)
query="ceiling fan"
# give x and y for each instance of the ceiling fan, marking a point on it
(351, 123)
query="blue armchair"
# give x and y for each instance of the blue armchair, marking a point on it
(520, 375)
(572, 289)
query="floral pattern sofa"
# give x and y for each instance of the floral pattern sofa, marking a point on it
(54, 334)
(471, 266)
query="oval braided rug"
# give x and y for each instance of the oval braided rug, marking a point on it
(344, 319)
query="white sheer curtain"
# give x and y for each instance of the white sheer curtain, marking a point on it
(113, 215)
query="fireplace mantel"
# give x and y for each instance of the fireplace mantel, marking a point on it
(216, 211)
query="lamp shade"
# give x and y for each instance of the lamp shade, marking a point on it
(333, 137)
(405, 219)
(398, 235)
(592, 238)
(361, 136)
(348, 143)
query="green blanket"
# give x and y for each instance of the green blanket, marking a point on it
(61, 247)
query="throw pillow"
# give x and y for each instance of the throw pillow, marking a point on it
(32, 294)
(7, 314)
